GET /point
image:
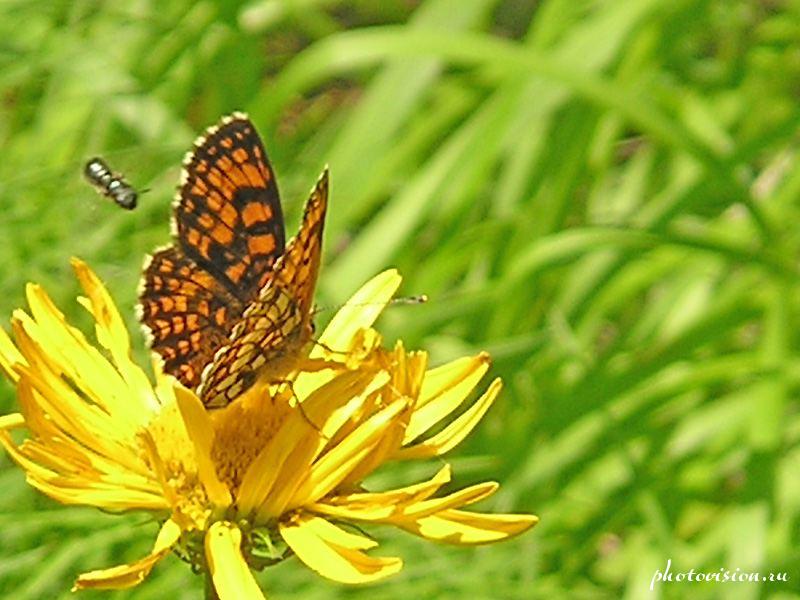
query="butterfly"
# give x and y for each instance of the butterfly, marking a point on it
(110, 184)
(230, 303)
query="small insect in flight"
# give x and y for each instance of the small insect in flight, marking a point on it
(110, 184)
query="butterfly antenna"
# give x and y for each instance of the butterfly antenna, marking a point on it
(402, 300)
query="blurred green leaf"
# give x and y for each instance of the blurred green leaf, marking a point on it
(602, 194)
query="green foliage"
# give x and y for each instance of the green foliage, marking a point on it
(601, 194)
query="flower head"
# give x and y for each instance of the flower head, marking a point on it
(277, 472)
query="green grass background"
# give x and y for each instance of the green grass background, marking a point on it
(604, 195)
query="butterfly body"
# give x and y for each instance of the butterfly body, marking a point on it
(229, 303)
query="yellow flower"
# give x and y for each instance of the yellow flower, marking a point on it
(277, 472)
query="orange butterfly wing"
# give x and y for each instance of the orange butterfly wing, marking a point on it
(229, 234)
(276, 328)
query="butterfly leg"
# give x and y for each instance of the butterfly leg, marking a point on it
(319, 364)
(299, 405)
(328, 348)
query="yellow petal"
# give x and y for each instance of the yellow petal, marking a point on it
(75, 385)
(84, 486)
(9, 356)
(335, 465)
(74, 474)
(455, 432)
(334, 555)
(329, 532)
(356, 398)
(380, 506)
(270, 479)
(30, 467)
(443, 390)
(12, 421)
(296, 442)
(330, 406)
(129, 575)
(466, 528)
(360, 312)
(408, 370)
(49, 401)
(62, 349)
(470, 495)
(201, 432)
(110, 498)
(102, 307)
(229, 571)
(112, 333)
(43, 391)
